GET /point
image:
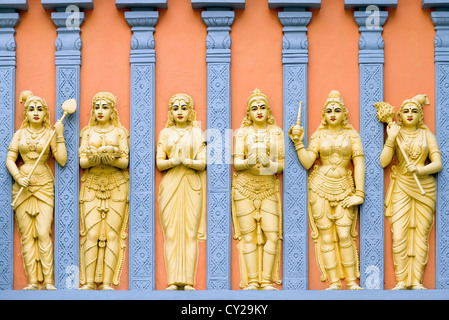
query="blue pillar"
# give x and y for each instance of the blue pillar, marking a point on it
(218, 17)
(9, 18)
(295, 59)
(142, 18)
(370, 20)
(68, 19)
(440, 18)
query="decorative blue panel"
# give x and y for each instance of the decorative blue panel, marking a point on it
(295, 66)
(441, 21)
(68, 64)
(371, 60)
(365, 3)
(427, 4)
(204, 4)
(147, 4)
(294, 4)
(142, 148)
(218, 149)
(7, 113)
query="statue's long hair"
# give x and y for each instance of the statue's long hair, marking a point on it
(335, 97)
(111, 99)
(255, 96)
(192, 114)
(420, 101)
(26, 97)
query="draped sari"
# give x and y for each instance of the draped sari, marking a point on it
(182, 204)
(410, 212)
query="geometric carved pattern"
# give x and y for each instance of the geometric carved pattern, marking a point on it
(7, 116)
(67, 181)
(372, 210)
(295, 66)
(142, 177)
(441, 21)
(7, 86)
(142, 150)
(371, 64)
(68, 66)
(219, 178)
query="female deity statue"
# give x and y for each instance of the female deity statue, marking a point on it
(256, 203)
(33, 194)
(181, 155)
(104, 205)
(334, 193)
(411, 211)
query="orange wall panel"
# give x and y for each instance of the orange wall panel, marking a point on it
(409, 36)
(180, 67)
(333, 64)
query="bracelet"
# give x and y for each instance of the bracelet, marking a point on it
(389, 143)
(299, 146)
(60, 139)
(17, 176)
(360, 193)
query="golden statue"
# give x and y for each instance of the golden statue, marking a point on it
(104, 205)
(181, 155)
(334, 193)
(256, 203)
(411, 198)
(33, 191)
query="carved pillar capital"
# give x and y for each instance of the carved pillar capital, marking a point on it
(441, 21)
(294, 43)
(371, 43)
(218, 40)
(7, 40)
(68, 18)
(142, 25)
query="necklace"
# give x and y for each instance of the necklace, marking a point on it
(413, 143)
(32, 141)
(103, 131)
(182, 131)
(35, 134)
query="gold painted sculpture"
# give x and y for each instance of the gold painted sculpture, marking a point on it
(256, 204)
(33, 191)
(104, 215)
(181, 155)
(333, 196)
(411, 198)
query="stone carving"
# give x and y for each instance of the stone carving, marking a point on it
(33, 190)
(411, 198)
(104, 211)
(334, 193)
(181, 155)
(256, 204)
